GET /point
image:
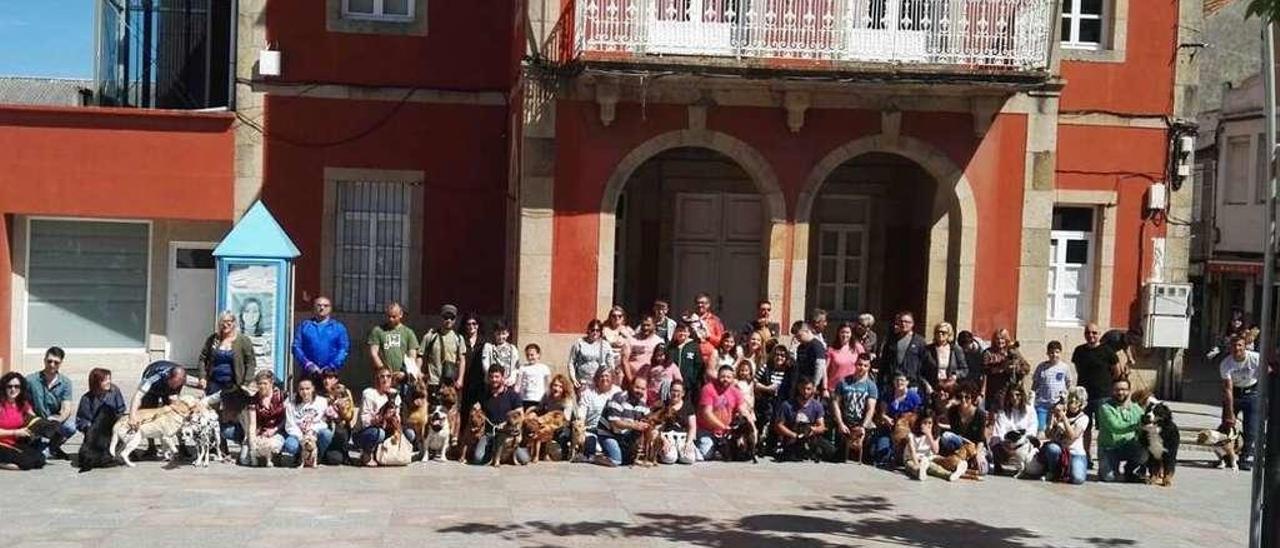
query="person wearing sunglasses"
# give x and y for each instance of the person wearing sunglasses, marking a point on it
(17, 452)
(1097, 367)
(321, 343)
(50, 392)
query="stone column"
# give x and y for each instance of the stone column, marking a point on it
(251, 37)
(1037, 217)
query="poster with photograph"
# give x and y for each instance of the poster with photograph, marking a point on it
(251, 296)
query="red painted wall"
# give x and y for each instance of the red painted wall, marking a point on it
(469, 45)
(461, 149)
(116, 163)
(104, 162)
(1143, 83)
(582, 170)
(1125, 160)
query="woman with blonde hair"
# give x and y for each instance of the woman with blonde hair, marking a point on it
(1003, 366)
(944, 361)
(228, 363)
(561, 397)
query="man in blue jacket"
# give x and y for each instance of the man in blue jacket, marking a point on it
(320, 343)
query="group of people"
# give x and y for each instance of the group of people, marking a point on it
(950, 406)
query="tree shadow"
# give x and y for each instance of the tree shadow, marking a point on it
(856, 520)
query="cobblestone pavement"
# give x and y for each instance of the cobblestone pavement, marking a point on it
(554, 504)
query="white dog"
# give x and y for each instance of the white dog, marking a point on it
(1227, 446)
(204, 433)
(161, 424)
(438, 433)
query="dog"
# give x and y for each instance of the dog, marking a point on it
(1019, 454)
(202, 431)
(448, 396)
(475, 432)
(647, 443)
(506, 438)
(1159, 435)
(1225, 442)
(310, 453)
(419, 413)
(161, 424)
(577, 439)
(854, 444)
(343, 402)
(263, 450)
(95, 451)
(541, 430)
(438, 436)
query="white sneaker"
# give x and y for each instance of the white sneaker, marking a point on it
(959, 472)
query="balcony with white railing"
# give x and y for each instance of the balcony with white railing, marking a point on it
(943, 35)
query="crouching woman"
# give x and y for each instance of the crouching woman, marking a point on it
(267, 417)
(1064, 456)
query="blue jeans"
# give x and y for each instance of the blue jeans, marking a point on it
(1109, 458)
(369, 438)
(706, 445)
(613, 447)
(1245, 402)
(324, 438)
(485, 447)
(1077, 468)
(1042, 416)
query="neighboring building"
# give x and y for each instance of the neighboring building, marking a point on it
(959, 159)
(34, 90)
(1229, 208)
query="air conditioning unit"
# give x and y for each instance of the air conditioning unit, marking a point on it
(1166, 315)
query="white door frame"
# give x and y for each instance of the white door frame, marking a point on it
(170, 281)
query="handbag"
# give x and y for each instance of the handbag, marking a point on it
(394, 451)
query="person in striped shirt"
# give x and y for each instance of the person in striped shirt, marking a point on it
(622, 424)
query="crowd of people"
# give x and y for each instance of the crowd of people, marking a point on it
(950, 406)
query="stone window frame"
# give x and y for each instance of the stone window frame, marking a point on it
(1103, 203)
(1115, 36)
(333, 176)
(337, 20)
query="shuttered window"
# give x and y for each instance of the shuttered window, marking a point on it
(87, 284)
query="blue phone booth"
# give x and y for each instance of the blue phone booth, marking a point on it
(255, 282)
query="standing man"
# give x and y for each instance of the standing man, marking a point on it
(51, 399)
(1096, 368)
(321, 343)
(393, 345)
(444, 352)
(811, 356)
(707, 327)
(818, 322)
(855, 401)
(902, 354)
(663, 325)
(1118, 422)
(763, 324)
(683, 350)
(1239, 371)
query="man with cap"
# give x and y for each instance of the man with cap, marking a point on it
(444, 353)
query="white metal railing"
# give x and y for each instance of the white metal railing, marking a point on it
(1010, 34)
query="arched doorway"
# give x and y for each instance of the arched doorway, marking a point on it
(691, 219)
(920, 230)
(869, 237)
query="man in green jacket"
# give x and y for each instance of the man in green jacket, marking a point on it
(1118, 424)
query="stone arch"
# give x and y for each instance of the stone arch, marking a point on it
(951, 275)
(747, 157)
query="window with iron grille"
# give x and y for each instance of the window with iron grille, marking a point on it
(371, 245)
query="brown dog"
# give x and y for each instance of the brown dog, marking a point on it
(343, 403)
(448, 397)
(854, 443)
(578, 439)
(507, 438)
(419, 411)
(647, 445)
(541, 430)
(474, 433)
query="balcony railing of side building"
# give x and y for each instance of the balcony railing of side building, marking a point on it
(173, 54)
(950, 35)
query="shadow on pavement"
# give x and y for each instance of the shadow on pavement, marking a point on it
(867, 519)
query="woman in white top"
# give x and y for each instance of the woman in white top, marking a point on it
(616, 331)
(1014, 424)
(1067, 425)
(372, 401)
(755, 351)
(501, 352)
(591, 403)
(305, 415)
(920, 455)
(727, 353)
(588, 355)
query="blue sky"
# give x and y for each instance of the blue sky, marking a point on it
(46, 38)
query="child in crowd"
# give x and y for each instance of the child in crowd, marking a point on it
(1050, 383)
(746, 380)
(921, 456)
(530, 379)
(662, 372)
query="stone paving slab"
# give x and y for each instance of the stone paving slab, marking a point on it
(554, 504)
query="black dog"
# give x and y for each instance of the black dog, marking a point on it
(95, 451)
(1159, 436)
